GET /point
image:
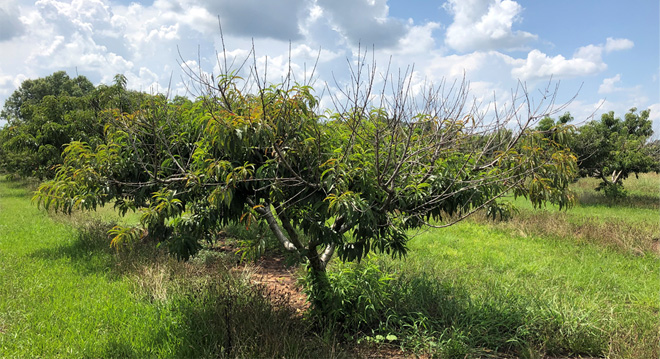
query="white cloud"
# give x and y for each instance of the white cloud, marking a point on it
(364, 21)
(10, 24)
(655, 112)
(609, 85)
(618, 44)
(144, 41)
(419, 40)
(485, 25)
(655, 117)
(586, 61)
(471, 64)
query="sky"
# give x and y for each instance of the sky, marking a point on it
(603, 52)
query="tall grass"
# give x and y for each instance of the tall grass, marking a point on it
(643, 191)
(66, 293)
(577, 283)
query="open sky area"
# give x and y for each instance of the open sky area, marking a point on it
(606, 51)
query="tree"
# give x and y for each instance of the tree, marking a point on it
(45, 114)
(548, 125)
(611, 149)
(18, 107)
(345, 182)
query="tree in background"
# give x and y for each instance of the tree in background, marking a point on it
(345, 182)
(45, 114)
(611, 149)
(41, 115)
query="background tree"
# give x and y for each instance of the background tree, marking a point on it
(45, 114)
(547, 126)
(348, 181)
(611, 149)
(19, 105)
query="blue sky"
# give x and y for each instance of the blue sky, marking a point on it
(609, 49)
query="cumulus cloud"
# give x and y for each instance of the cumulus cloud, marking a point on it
(475, 65)
(655, 117)
(77, 16)
(485, 25)
(418, 40)
(364, 21)
(65, 36)
(618, 44)
(257, 18)
(10, 24)
(609, 85)
(539, 65)
(586, 61)
(146, 40)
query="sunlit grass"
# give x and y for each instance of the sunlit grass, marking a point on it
(566, 283)
(570, 298)
(582, 282)
(65, 293)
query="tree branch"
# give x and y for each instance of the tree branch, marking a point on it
(264, 211)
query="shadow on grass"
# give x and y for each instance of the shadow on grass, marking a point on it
(440, 318)
(13, 182)
(206, 310)
(115, 349)
(632, 200)
(18, 188)
(500, 322)
(230, 318)
(89, 251)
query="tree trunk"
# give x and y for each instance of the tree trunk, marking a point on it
(615, 177)
(321, 295)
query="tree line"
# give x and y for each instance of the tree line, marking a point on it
(327, 183)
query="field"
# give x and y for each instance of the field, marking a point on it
(581, 283)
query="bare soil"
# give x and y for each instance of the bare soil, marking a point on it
(280, 281)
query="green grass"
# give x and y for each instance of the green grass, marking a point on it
(65, 293)
(51, 303)
(590, 287)
(630, 225)
(579, 283)
(590, 272)
(583, 282)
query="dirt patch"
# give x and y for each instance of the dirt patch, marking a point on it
(280, 282)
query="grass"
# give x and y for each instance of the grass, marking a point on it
(629, 225)
(599, 301)
(65, 293)
(578, 283)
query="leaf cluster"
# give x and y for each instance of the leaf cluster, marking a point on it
(352, 180)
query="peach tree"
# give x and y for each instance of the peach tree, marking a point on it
(338, 183)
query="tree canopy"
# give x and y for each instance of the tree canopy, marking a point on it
(45, 114)
(613, 148)
(343, 182)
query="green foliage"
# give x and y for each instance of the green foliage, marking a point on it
(359, 299)
(351, 182)
(611, 149)
(46, 114)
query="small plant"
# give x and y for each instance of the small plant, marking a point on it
(613, 191)
(361, 295)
